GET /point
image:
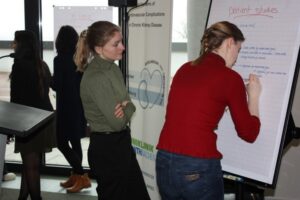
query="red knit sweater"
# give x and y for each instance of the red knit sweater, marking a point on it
(197, 99)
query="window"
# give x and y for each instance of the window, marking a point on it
(11, 21)
(55, 157)
(16, 22)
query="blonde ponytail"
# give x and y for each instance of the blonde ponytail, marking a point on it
(82, 53)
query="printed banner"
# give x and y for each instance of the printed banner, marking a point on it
(149, 71)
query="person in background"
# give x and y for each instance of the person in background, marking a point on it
(29, 85)
(188, 161)
(71, 124)
(108, 110)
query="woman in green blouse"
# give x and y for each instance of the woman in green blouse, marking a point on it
(108, 110)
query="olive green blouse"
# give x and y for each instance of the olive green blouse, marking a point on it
(102, 88)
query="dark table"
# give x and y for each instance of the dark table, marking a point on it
(20, 120)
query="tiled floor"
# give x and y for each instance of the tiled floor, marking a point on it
(50, 190)
(49, 184)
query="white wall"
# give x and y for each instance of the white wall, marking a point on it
(196, 20)
(289, 177)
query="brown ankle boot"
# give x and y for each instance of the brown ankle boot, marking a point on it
(70, 182)
(86, 180)
(82, 181)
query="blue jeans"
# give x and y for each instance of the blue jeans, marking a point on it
(186, 178)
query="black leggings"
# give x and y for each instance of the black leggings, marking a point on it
(30, 180)
(73, 153)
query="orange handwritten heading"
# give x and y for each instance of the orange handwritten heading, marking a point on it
(264, 11)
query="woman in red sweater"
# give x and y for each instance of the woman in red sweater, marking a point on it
(188, 162)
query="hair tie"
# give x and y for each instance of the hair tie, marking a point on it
(83, 34)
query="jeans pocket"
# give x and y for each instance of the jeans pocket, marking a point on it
(193, 184)
(202, 183)
(192, 176)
